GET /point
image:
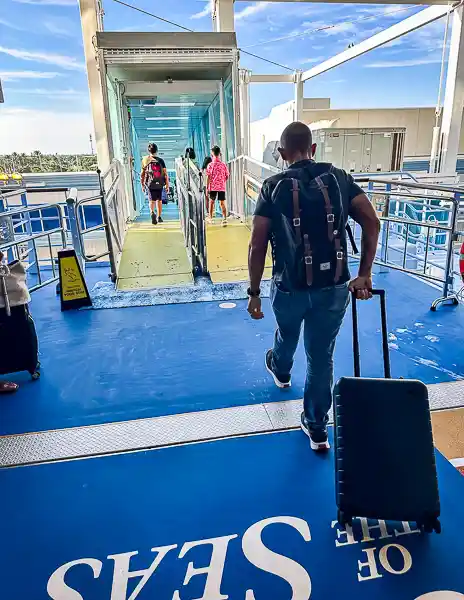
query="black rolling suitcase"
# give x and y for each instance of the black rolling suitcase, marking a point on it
(18, 337)
(384, 454)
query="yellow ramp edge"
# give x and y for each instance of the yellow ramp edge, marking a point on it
(227, 249)
(154, 256)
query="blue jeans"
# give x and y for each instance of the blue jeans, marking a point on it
(322, 313)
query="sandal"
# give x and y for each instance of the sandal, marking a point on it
(8, 387)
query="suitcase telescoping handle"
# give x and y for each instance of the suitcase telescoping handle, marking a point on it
(386, 352)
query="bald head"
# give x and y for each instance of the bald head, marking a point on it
(296, 142)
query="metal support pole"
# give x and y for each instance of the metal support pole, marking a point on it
(92, 21)
(299, 96)
(236, 117)
(109, 240)
(75, 235)
(454, 97)
(223, 15)
(245, 110)
(222, 115)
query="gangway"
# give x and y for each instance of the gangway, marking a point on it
(155, 458)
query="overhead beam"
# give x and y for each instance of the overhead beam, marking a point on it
(424, 2)
(428, 15)
(147, 89)
(290, 78)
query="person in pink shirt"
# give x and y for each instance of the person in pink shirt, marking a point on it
(218, 174)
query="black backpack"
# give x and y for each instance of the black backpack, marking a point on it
(310, 245)
(155, 177)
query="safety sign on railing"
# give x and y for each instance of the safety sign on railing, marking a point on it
(73, 289)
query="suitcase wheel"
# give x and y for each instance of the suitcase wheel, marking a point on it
(430, 526)
(344, 519)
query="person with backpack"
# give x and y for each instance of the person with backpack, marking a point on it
(204, 175)
(303, 212)
(218, 174)
(154, 178)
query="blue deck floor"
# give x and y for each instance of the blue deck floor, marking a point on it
(117, 514)
(100, 366)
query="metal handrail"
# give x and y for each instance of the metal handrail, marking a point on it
(114, 225)
(406, 195)
(411, 184)
(189, 182)
(15, 248)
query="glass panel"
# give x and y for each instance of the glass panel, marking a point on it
(115, 122)
(229, 152)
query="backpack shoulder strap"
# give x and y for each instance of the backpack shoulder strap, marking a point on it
(328, 207)
(296, 210)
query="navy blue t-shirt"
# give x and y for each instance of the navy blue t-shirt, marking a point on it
(265, 207)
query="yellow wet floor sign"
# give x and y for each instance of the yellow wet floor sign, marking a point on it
(73, 289)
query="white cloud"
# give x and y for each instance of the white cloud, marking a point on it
(10, 25)
(412, 62)
(310, 61)
(205, 12)
(59, 60)
(341, 28)
(52, 93)
(49, 2)
(24, 130)
(17, 75)
(60, 27)
(248, 11)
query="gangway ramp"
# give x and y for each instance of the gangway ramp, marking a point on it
(227, 249)
(154, 256)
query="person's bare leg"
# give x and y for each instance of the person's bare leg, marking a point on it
(160, 208)
(211, 208)
(224, 213)
(154, 220)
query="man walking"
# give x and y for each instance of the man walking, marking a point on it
(303, 211)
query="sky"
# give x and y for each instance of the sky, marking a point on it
(44, 78)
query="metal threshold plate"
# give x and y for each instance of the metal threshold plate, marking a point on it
(124, 436)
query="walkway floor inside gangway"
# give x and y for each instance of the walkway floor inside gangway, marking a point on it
(155, 255)
(227, 252)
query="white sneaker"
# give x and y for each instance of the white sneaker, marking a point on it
(224, 222)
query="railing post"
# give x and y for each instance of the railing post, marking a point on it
(384, 239)
(73, 226)
(33, 268)
(109, 240)
(449, 277)
(7, 233)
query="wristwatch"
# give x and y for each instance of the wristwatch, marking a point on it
(253, 294)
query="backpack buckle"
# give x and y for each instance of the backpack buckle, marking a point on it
(296, 222)
(308, 260)
(330, 218)
(339, 255)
